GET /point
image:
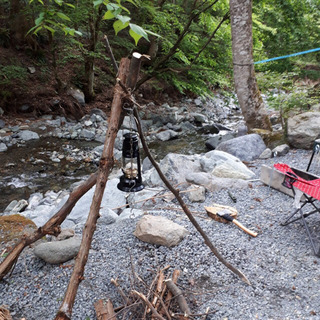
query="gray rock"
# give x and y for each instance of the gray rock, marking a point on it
(167, 135)
(87, 134)
(175, 167)
(27, 135)
(1, 112)
(129, 123)
(303, 129)
(107, 216)
(57, 252)
(224, 165)
(215, 140)
(31, 70)
(209, 129)
(146, 164)
(198, 117)
(40, 215)
(19, 207)
(212, 183)
(112, 198)
(242, 130)
(3, 147)
(281, 150)
(197, 194)
(160, 231)
(65, 234)
(99, 112)
(11, 205)
(315, 108)
(266, 154)
(2, 124)
(78, 95)
(246, 148)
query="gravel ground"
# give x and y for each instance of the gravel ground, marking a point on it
(279, 262)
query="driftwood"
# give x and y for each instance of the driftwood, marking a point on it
(51, 227)
(104, 310)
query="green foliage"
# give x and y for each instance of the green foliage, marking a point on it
(12, 72)
(296, 101)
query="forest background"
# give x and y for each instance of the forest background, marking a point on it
(50, 46)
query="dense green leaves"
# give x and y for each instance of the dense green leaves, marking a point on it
(176, 33)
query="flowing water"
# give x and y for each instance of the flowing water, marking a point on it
(29, 169)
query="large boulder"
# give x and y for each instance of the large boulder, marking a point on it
(175, 167)
(303, 129)
(160, 231)
(246, 148)
(224, 165)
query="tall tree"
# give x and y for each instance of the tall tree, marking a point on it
(246, 86)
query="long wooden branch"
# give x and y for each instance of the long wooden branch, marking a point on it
(184, 206)
(106, 164)
(51, 227)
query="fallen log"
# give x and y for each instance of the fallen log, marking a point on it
(51, 227)
(104, 310)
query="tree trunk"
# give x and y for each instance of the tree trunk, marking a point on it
(245, 81)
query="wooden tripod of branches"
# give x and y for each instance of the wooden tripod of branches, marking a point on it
(127, 77)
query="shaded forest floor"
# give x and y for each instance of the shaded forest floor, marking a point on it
(28, 86)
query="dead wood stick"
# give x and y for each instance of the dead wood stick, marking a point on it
(184, 206)
(159, 288)
(110, 53)
(52, 226)
(104, 310)
(5, 313)
(144, 299)
(117, 285)
(177, 294)
(175, 276)
(205, 316)
(105, 166)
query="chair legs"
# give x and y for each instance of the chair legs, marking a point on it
(315, 247)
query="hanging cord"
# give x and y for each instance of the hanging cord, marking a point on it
(130, 196)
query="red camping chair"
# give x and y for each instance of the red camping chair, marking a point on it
(303, 183)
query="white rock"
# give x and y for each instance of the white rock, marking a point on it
(160, 231)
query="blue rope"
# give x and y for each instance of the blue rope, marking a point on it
(289, 55)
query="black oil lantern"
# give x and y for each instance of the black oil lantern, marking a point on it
(131, 180)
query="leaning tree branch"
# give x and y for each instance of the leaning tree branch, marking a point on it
(176, 192)
(183, 205)
(52, 226)
(225, 17)
(127, 74)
